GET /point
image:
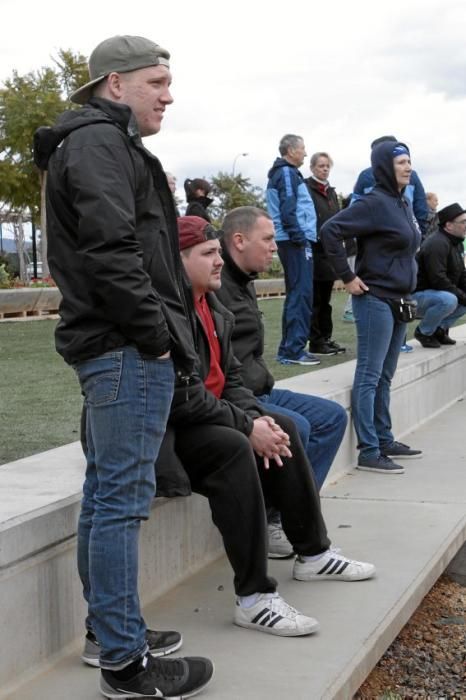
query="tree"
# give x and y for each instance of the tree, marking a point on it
(27, 102)
(230, 191)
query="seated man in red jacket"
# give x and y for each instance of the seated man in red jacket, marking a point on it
(236, 453)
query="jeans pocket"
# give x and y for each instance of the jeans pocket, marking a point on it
(100, 378)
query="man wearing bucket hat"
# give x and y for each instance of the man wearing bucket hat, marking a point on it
(441, 280)
(113, 253)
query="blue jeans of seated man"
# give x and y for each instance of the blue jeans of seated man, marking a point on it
(297, 308)
(380, 338)
(437, 308)
(127, 401)
(321, 425)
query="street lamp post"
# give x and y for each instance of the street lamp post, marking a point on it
(234, 162)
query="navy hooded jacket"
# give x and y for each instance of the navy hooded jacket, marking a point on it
(386, 229)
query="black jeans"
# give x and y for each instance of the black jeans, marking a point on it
(223, 467)
(321, 323)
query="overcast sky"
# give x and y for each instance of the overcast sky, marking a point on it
(245, 73)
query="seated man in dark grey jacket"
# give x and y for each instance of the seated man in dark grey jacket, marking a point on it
(441, 281)
(248, 245)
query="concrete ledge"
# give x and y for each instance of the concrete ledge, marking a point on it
(29, 299)
(38, 522)
(426, 382)
(38, 574)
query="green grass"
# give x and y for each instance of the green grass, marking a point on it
(40, 400)
(343, 333)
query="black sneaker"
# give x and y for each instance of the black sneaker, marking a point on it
(380, 464)
(322, 349)
(160, 678)
(159, 643)
(336, 346)
(399, 449)
(427, 341)
(443, 337)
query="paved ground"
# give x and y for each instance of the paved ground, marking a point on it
(408, 525)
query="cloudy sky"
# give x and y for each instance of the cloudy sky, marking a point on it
(244, 73)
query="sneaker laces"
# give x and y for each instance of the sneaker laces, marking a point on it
(280, 606)
(168, 669)
(275, 530)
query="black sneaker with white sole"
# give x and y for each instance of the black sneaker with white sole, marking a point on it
(160, 678)
(380, 464)
(399, 449)
(159, 643)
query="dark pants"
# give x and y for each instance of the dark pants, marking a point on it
(296, 316)
(321, 325)
(223, 467)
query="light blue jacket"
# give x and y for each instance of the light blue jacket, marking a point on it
(290, 205)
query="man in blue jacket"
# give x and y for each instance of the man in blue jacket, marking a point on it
(292, 210)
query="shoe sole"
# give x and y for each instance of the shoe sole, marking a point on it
(333, 577)
(302, 363)
(311, 629)
(109, 692)
(94, 661)
(380, 471)
(392, 456)
(325, 354)
(276, 555)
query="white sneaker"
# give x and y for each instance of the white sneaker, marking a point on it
(273, 615)
(279, 545)
(332, 566)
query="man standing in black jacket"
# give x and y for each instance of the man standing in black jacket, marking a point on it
(113, 253)
(441, 281)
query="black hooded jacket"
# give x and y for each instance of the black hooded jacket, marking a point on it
(386, 230)
(112, 238)
(441, 265)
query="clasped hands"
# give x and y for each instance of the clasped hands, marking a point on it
(269, 441)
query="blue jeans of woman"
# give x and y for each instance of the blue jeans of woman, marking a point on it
(380, 338)
(127, 402)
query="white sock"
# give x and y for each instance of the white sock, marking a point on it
(247, 601)
(315, 557)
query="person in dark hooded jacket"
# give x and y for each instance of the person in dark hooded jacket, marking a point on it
(388, 237)
(197, 191)
(113, 252)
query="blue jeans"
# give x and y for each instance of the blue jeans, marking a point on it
(321, 425)
(297, 309)
(380, 338)
(437, 309)
(127, 400)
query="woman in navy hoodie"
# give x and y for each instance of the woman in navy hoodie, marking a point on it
(388, 238)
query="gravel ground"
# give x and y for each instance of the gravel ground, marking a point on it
(428, 658)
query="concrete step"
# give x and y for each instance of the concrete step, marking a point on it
(409, 525)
